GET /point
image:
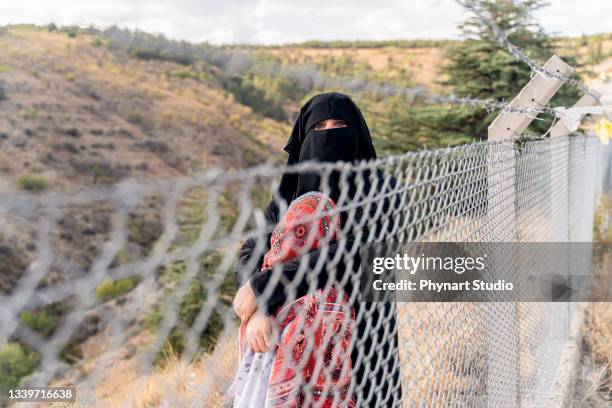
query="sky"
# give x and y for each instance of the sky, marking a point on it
(287, 21)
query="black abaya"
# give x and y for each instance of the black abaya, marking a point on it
(375, 346)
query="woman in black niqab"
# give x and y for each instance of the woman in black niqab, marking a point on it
(351, 143)
(375, 346)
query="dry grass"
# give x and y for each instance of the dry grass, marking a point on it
(441, 352)
(597, 329)
(591, 380)
(422, 64)
(597, 332)
(175, 383)
(179, 383)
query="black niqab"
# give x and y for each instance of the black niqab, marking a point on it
(348, 144)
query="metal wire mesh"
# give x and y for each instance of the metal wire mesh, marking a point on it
(126, 270)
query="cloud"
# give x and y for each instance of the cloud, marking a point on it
(574, 18)
(282, 21)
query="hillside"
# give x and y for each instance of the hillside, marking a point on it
(78, 112)
(389, 64)
(87, 106)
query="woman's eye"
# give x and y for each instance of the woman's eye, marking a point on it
(336, 124)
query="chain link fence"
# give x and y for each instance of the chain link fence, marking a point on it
(125, 291)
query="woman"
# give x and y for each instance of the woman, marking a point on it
(329, 128)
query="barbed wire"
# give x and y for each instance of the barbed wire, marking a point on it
(490, 105)
(236, 61)
(360, 85)
(519, 54)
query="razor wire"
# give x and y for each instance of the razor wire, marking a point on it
(358, 85)
(519, 54)
(174, 243)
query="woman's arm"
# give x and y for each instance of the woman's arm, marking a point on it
(336, 263)
(250, 259)
(290, 281)
(252, 251)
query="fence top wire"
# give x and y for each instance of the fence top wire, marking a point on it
(519, 54)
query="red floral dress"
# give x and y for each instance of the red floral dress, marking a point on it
(312, 364)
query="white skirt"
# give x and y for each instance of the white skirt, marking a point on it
(250, 385)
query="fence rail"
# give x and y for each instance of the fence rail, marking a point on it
(99, 282)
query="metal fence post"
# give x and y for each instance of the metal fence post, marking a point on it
(503, 339)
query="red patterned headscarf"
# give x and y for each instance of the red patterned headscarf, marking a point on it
(317, 328)
(305, 224)
(312, 363)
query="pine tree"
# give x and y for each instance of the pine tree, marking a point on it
(480, 67)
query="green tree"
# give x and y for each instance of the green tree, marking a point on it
(16, 362)
(480, 67)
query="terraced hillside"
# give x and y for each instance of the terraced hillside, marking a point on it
(76, 111)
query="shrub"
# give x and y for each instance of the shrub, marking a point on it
(97, 42)
(135, 118)
(2, 91)
(144, 229)
(162, 55)
(141, 119)
(264, 95)
(189, 309)
(15, 363)
(31, 183)
(72, 131)
(184, 74)
(29, 113)
(110, 289)
(43, 321)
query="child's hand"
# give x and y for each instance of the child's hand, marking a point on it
(245, 302)
(261, 331)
